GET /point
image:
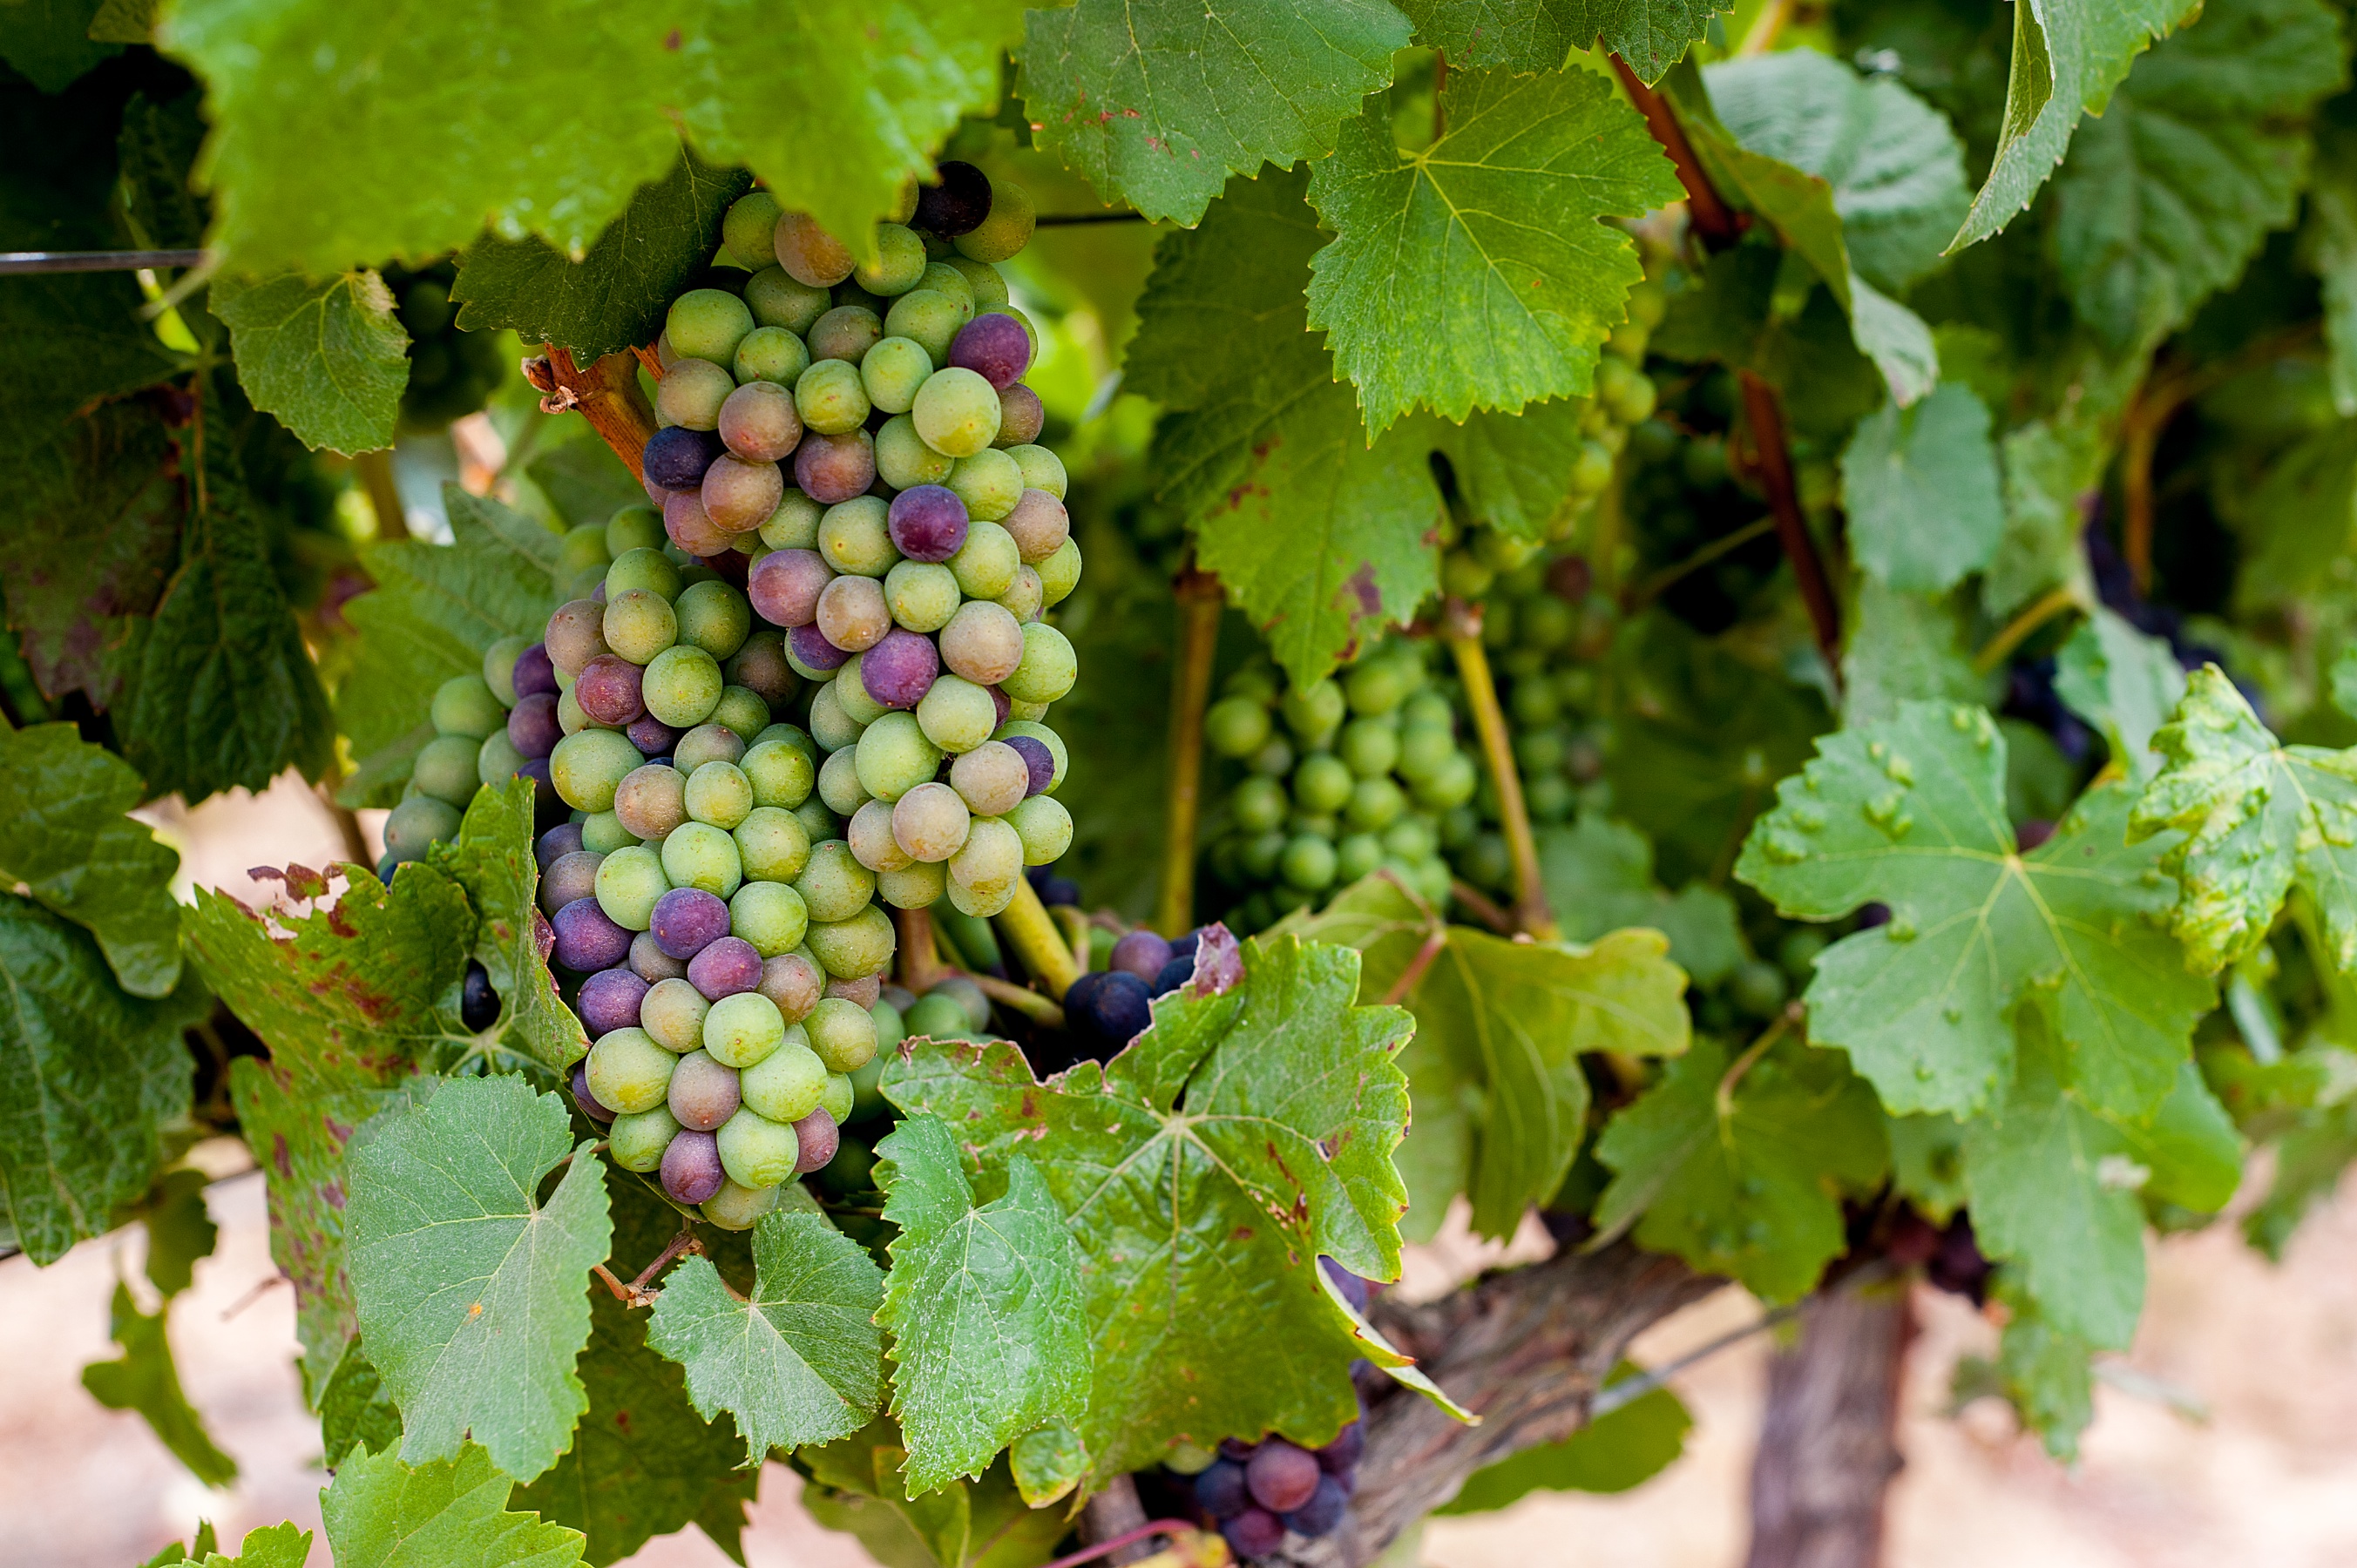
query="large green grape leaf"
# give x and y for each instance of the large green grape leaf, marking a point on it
(144, 1378)
(1599, 878)
(88, 1077)
(2125, 682)
(1920, 487)
(68, 339)
(803, 1360)
(2171, 191)
(436, 611)
(1910, 812)
(273, 1546)
(2068, 56)
(1742, 1172)
(67, 842)
(2257, 818)
(614, 296)
(1535, 35)
(984, 1306)
(328, 358)
(492, 859)
(1158, 102)
(1907, 646)
(1203, 1171)
(471, 1291)
(1615, 1451)
(1480, 273)
(448, 1513)
(855, 1487)
(2045, 1372)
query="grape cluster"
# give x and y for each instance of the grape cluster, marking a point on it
(451, 373)
(1339, 777)
(471, 749)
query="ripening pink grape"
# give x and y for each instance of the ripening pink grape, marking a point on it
(928, 523)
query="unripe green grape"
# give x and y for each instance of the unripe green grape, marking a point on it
(739, 1208)
(1236, 727)
(465, 706)
(839, 1097)
(841, 1034)
(691, 393)
(930, 319)
(1540, 751)
(1376, 686)
(499, 662)
(1369, 747)
(1411, 839)
(570, 719)
(956, 411)
(900, 261)
(741, 712)
(587, 768)
(1006, 231)
(854, 537)
(628, 1072)
(706, 743)
(1045, 828)
(989, 482)
(946, 280)
(1261, 852)
(1042, 469)
(834, 886)
(637, 1140)
(830, 397)
(445, 768)
(893, 757)
(697, 854)
(985, 565)
(672, 1013)
(497, 759)
(931, 822)
(682, 685)
(782, 773)
(1357, 855)
(714, 616)
(1258, 804)
(891, 372)
(743, 1030)
(851, 696)
(777, 299)
(1625, 391)
(847, 331)
(1322, 783)
(582, 546)
(1592, 470)
(417, 823)
(830, 725)
(921, 596)
(869, 834)
(987, 284)
(1451, 784)
(1036, 711)
(991, 779)
(794, 525)
(769, 354)
(852, 948)
(1424, 750)
(1308, 862)
(919, 885)
(977, 905)
(1045, 737)
(990, 860)
(1274, 758)
(640, 622)
(603, 832)
(719, 793)
(1059, 573)
(785, 1086)
(1374, 804)
(772, 846)
(650, 571)
(629, 880)
(902, 459)
(1313, 712)
(707, 324)
(1025, 597)
(1048, 668)
(955, 715)
(756, 1151)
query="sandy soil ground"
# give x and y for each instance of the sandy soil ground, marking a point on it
(2266, 1479)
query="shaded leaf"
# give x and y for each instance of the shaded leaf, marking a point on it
(68, 843)
(144, 1379)
(1535, 35)
(1921, 489)
(1906, 647)
(180, 1232)
(49, 41)
(355, 1408)
(2123, 682)
(1599, 878)
(492, 860)
(856, 1487)
(328, 358)
(1618, 1450)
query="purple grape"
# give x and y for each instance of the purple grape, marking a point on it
(833, 469)
(586, 938)
(1003, 704)
(1237, 1449)
(607, 691)
(1021, 416)
(1172, 975)
(1341, 1456)
(1060, 891)
(687, 920)
(864, 989)
(928, 523)
(1037, 758)
(535, 673)
(652, 736)
(676, 458)
(1107, 1007)
(784, 585)
(609, 1000)
(1353, 1288)
(725, 967)
(900, 670)
(995, 347)
(704, 1093)
(811, 646)
(691, 528)
(651, 963)
(1256, 1532)
(532, 728)
(1281, 1475)
(1142, 953)
(1322, 1514)
(957, 205)
(556, 843)
(1220, 1490)
(1183, 945)
(691, 1166)
(583, 1098)
(548, 807)
(571, 876)
(819, 1138)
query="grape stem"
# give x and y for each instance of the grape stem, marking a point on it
(1200, 601)
(2016, 632)
(1716, 224)
(1462, 629)
(1025, 926)
(375, 469)
(1481, 907)
(921, 960)
(1126, 1538)
(606, 394)
(1006, 994)
(1773, 461)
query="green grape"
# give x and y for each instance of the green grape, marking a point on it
(1432, 878)
(499, 667)
(839, 1097)
(834, 886)
(714, 616)
(1379, 686)
(1545, 623)
(587, 768)
(1274, 759)
(1042, 469)
(831, 398)
(1451, 784)
(947, 281)
(640, 623)
(1465, 575)
(832, 728)
(756, 1151)
(707, 324)
(841, 1034)
(719, 793)
(893, 757)
(989, 483)
(682, 685)
(1045, 737)
(1322, 783)
(1357, 855)
(445, 768)
(792, 735)
(634, 527)
(672, 1013)
(990, 860)
(955, 715)
(583, 547)
(919, 885)
(1550, 797)
(854, 947)
(1424, 751)
(769, 354)
(1592, 470)
(1048, 668)
(838, 783)
(417, 823)
(650, 571)
(628, 1072)
(497, 759)
(691, 393)
(465, 706)
(854, 537)
(1258, 804)
(1624, 392)
(1757, 989)
(1026, 597)
(1411, 839)
(706, 743)
(1260, 853)
(956, 411)
(1459, 826)
(697, 854)
(602, 833)
(638, 1141)
(930, 319)
(629, 880)
(743, 1030)
(777, 299)
(902, 459)
(741, 712)
(1045, 828)
(1236, 727)
(987, 564)
(781, 773)
(772, 846)
(794, 525)
(900, 261)
(786, 1084)
(1540, 750)
(1307, 861)
(922, 595)
(739, 1208)
(1059, 573)
(1313, 712)
(851, 695)
(988, 286)
(1374, 804)
(891, 372)
(1369, 747)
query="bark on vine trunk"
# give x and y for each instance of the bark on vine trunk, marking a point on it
(1828, 1442)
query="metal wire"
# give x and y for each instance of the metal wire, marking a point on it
(95, 261)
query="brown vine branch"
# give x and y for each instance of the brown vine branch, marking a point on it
(1775, 460)
(1114, 1523)
(606, 394)
(1482, 907)
(1199, 599)
(1461, 630)
(1716, 224)
(920, 960)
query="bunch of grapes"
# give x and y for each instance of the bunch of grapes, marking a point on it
(1339, 777)
(451, 373)
(471, 749)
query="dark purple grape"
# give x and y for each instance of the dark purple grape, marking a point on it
(725, 968)
(1343, 1455)
(676, 458)
(548, 807)
(586, 938)
(819, 1138)
(704, 1093)
(687, 920)
(532, 728)
(691, 1166)
(1256, 1532)
(573, 876)
(609, 1000)
(1142, 953)
(1036, 757)
(1106, 1008)
(479, 1004)
(1183, 945)
(1021, 416)
(928, 523)
(2033, 833)
(1322, 1514)
(1353, 1288)
(995, 347)
(652, 736)
(607, 690)
(583, 1098)
(900, 670)
(833, 469)
(1238, 1449)
(1220, 1490)
(957, 205)
(1281, 1476)
(535, 673)
(556, 843)
(1059, 890)
(1173, 975)
(811, 646)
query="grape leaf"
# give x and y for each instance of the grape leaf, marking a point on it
(584, 481)
(354, 1408)
(282, 1545)
(2124, 683)
(1620, 1449)
(803, 1361)
(1512, 470)
(49, 41)
(2050, 466)
(1242, 1136)
(436, 611)
(328, 358)
(855, 1487)
(1158, 102)
(2258, 817)
(1742, 1172)
(66, 842)
(1920, 487)
(2171, 191)
(644, 1463)
(2068, 56)
(615, 295)
(1599, 878)
(144, 1378)
(2296, 524)
(448, 1513)
(2329, 244)
(1480, 273)
(469, 1289)
(1904, 646)
(1535, 35)
(1910, 812)
(126, 22)
(88, 1077)
(984, 1306)
(180, 1232)
(492, 859)
(69, 340)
